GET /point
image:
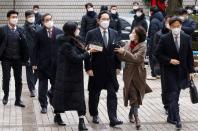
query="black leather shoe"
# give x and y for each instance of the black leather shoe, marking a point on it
(95, 119)
(58, 120)
(5, 100)
(19, 103)
(115, 123)
(171, 121)
(178, 125)
(32, 93)
(44, 110)
(81, 125)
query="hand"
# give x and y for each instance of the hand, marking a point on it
(90, 73)
(34, 67)
(119, 50)
(191, 76)
(117, 71)
(174, 62)
(92, 50)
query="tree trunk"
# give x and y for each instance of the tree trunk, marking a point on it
(173, 5)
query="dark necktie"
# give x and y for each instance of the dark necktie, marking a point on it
(176, 43)
(49, 33)
(105, 39)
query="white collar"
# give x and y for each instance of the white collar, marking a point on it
(12, 27)
(102, 30)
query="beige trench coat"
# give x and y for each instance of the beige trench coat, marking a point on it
(134, 75)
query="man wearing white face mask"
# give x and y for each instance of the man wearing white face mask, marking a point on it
(44, 59)
(139, 20)
(102, 68)
(188, 24)
(31, 28)
(175, 54)
(37, 15)
(13, 52)
(135, 6)
(89, 20)
(115, 20)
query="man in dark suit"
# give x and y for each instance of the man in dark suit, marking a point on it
(13, 52)
(174, 52)
(44, 58)
(101, 68)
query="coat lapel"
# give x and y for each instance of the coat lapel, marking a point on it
(100, 39)
(182, 40)
(137, 47)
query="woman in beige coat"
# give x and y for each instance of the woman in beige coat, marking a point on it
(134, 74)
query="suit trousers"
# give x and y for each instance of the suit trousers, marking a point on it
(31, 78)
(17, 69)
(173, 106)
(43, 88)
(111, 101)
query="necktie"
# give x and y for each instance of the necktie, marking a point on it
(49, 34)
(105, 39)
(176, 43)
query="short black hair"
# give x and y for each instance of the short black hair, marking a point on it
(181, 11)
(29, 12)
(174, 19)
(101, 13)
(140, 9)
(88, 4)
(12, 12)
(43, 16)
(113, 6)
(35, 6)
(141, 33)
(136, 3)
(103, 8)
(70, 27)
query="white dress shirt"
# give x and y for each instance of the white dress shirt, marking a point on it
(107, 33)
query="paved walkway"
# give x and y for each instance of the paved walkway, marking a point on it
(151, 113)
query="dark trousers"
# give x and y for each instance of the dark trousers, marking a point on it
(43, 88)
(111, 101)
(17, 69)
(31, 78)
(173, 106)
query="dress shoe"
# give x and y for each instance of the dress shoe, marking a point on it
(5, 100)
(95, 119)
(137, 122)
(32, 93)
(44, 110)
(171, 121)
(115, 123)
(19, 103)
(58, 120)
(178, 125)
(81, 125)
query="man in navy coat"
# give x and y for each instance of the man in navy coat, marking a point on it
(102, 68)
(44, 58)
(174, 52)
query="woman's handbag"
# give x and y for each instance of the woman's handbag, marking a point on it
(193, 92)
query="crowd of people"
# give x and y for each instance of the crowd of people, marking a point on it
(59, 56)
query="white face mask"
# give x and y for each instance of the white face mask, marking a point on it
(14, 21)
(189, 11)
(138, 13)
(77, 32)
(35, 11)
(90, 9)
(135, 7)
(132, 37)
(176, 31)
(105, 24)
(31, 19)
(113, 11)
(49, 24)
(182, 18)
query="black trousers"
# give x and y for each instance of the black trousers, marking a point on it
(31, 78)
(173, 106)
(17, 69)
(94, 97)
(43, 88)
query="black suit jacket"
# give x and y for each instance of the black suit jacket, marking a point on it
(175, 75)
(105, 63)
(23, 43)
(45, 51)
